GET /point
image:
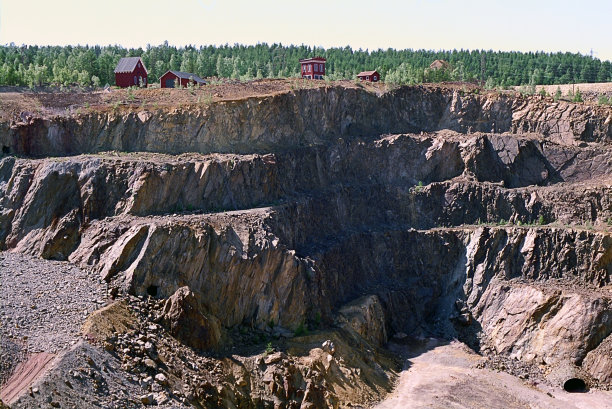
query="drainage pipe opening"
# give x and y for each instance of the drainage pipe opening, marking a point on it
(574, 385)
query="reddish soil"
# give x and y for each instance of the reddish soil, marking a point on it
(25, 374)
(17, 105)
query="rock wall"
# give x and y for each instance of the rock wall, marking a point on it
(303, 118)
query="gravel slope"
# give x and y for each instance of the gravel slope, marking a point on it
(42, 306)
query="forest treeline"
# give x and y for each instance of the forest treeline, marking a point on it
(93, 65)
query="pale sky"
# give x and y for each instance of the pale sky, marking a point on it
(521, 25)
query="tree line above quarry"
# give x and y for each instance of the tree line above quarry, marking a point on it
(93, 65)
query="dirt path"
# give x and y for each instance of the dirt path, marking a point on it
(443, 376)
(25, 374)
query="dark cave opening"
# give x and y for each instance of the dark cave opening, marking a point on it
(574, 385)
(152, 290)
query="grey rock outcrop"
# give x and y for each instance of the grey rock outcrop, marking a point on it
(185, 320)
(366, 317)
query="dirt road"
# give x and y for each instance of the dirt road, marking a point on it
(443, 376)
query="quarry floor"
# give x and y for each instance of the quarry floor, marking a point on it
(443, 375)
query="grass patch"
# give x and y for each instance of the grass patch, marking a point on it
(301, 330)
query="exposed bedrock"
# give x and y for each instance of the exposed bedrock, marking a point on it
(425, 279)
(46, 203)
(305, 117)
(502, 239)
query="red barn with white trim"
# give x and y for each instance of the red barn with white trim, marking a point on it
(313, 68)
(130, 72)
(372, 76)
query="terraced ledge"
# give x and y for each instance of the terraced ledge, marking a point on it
(242, 236)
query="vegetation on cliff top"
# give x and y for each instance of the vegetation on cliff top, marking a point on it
(87, 66)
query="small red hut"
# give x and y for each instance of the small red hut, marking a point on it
(313, 68)
(130, 71)
(372, 76)
(171, 78)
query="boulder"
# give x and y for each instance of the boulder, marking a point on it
(185, 320)
(366, 317)
(148, 399)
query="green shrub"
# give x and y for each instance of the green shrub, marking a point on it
(302, 329)
(130, 94)
(317, 320)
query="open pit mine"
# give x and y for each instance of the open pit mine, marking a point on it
(328, 247)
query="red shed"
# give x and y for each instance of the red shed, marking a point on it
(313, 68)
(168, 80)
(372, 76)
(130, 71)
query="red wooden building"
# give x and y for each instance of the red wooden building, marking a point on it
(171, 79)
(313, 68)
(372, 76)
(130, 71)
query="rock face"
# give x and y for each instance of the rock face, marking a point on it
(366, 317)
(185, 320)
(598, 361)
(305, 117)
(490, 220)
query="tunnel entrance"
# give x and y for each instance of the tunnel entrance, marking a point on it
(575, 385)
(6, 150)
(152, 290)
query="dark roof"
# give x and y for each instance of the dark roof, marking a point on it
(366, 73)
(317, 59)
(128, 64)
(186, 75)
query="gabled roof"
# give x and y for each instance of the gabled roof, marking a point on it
(437, 64)
(128, 64)
(186, 75)
(314, 59)
(366, 73)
